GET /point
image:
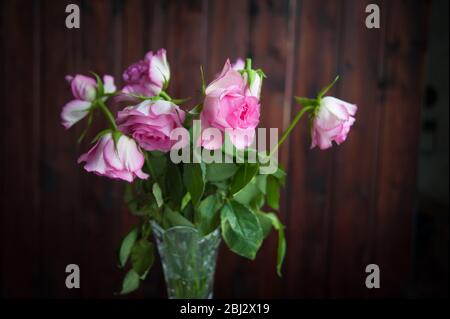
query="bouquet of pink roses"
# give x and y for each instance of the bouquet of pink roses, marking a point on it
(195, 176)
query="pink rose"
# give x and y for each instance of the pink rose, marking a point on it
(123, 161)
(332, 122)
(239, 64)
(84, 90)
(150, 123)
(149, 76)
(254, 89)
(227, 106)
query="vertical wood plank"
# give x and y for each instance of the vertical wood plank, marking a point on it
(60, 184)
(19, 213)
(186, 31)
(3, 193)
(352, 193)
(404, 74)
(103, 201)
(228, 33)
(309, 172)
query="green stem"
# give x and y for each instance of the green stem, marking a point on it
(248, 64)
(291, 127)
(149, 165)
(107, 114)
(165, 96)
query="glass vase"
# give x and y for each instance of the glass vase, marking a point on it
(188, 260)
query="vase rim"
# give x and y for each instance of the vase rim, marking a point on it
(215, 232)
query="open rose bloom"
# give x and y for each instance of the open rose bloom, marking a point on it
(150, 123)
(231, 106)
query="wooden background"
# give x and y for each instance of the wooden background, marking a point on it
(344, 208)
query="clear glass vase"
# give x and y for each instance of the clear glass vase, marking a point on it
(188, 260)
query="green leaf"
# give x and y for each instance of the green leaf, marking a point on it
(217, 172)
(186, 199)
(140, 203)
(208, 213)
(280, 175)
(176, 219)
(146, 229)
(158, 165)
(126, 246)
(189, 212)
(281, 240)
(158, 194)
(243, 176)
(130, 282)
(174, 185)
(261, 183)
(142, 256)
(248, 193)
(194, 180)
(241, 229)
(327, 88)
(273, 192)
(266, 223)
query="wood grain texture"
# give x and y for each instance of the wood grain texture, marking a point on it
(310, 172)
(404, 70)
(344, 208)
(352, 200)
(19, 210)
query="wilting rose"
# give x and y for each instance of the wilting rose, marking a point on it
(227, 106)
(84, 90)
(332, 122)
(150, 123)
(148, 76)
(121, 161)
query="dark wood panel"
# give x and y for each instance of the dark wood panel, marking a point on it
(352, 200)
(20, 221)
(403, 80)
(344, 208)
(310, 174)
(186, 27)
